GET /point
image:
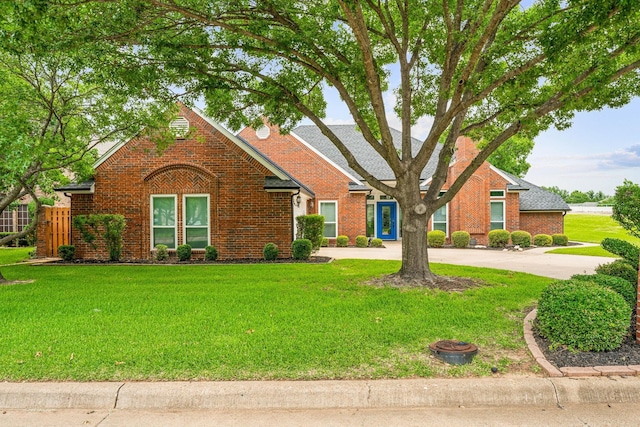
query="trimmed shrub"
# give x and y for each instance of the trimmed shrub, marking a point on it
(301, 249)
(66, 252)
(270, 251)
(559, 239)
(183, 252)
(621, 286)
(436, 238)
(521, 238)
(362, 241)
(376, 243)
(460, 239)
(342, 241)
(325, 242)
(210, 253)
(162, 253)
(619, 268)
(311, 227)
(583, 316)
(498, 238)
(626, 250)
(542, 240)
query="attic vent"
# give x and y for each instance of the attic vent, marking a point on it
(180, 127)
(263, 132)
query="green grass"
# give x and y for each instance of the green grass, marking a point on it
(276, 321)
(13, 255)
(594, 228)
(583, 250)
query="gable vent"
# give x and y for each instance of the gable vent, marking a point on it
(180, 127)
(263, 132)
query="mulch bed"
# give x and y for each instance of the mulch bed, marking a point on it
(627, 354)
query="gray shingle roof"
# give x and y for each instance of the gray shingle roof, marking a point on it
(363, 152)
(79, 188)
(532, 197)
(536, 198)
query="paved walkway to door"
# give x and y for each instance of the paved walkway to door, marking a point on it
(534, 261)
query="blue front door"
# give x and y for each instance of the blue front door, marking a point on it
(386, 221)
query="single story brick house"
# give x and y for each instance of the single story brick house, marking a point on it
(208, 188)
(239, 192)
(491, 199)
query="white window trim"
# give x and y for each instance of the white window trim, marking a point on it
(446, 220)
(497, 197)
(184, 222)
(175, 226)
(504, 214)
(335, 202)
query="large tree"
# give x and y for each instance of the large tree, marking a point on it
(626, 207)
(54, 111)
(488, 69)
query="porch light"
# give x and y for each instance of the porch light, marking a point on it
(298, 200)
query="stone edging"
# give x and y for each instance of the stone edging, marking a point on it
(570, 371)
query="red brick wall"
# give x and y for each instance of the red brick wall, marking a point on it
(542, 222)
(328, 183)
(243, 216)
(470, 208)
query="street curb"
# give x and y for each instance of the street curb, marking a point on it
(437, 393)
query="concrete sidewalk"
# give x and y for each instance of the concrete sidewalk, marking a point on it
(534, 261)
(263, 395)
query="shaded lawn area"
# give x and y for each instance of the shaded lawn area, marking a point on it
(12, 255)
(263, 321)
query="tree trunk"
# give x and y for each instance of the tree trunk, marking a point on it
(415, 259)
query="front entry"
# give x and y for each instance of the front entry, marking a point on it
(386, 221)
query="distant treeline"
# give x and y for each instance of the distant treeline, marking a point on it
(579, 196)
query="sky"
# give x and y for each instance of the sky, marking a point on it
(598, 152)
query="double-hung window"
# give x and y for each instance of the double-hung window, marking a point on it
(439, 220)
(497, 210)
(193, 215)
(330, 212)
(196, 220)
(163, 228)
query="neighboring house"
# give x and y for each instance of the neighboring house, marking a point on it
(208, 188)
(491, 199)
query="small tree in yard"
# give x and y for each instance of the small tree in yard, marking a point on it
(487, 69)
(626, 207)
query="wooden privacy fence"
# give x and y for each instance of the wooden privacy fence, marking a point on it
(56, 230)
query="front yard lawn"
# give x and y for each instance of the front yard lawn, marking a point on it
(263, 321)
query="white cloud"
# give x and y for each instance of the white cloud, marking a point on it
(626, 158)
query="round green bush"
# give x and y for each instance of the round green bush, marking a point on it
(183, 252)
(270, 251)
(583, 316)
(362, 241)
(521, 238)
(436, 238)
(498, 238)
(621, 286)
(559, 239)
(162, 252)
(66, 252)
(325, 242)
(542, 240)
(210, 253)
(460, 239)
(301, 249)
(619, 268)
(342, 241)
(376, 243)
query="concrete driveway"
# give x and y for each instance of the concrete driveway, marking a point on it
(534, 261)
